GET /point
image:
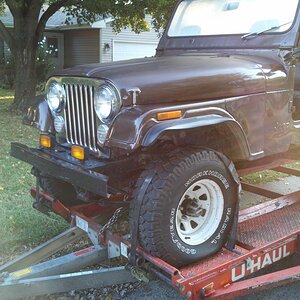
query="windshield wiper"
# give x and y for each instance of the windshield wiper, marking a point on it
(255, 34)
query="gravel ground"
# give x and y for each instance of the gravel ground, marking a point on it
(157, 290)
(288, 292)
(160, 291)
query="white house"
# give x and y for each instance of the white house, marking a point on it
(90, 43)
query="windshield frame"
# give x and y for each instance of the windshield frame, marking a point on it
(189, 2)
(266, 40)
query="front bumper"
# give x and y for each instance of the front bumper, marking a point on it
(52, 166)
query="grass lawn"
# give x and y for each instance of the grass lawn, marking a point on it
(20, 224)
(268, 176)
(6, 94)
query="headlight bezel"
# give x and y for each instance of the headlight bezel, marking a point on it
(58, 90)
(108, 95)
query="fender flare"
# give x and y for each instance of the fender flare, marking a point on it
(39, 115)
(167, 127)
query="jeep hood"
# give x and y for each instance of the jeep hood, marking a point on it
(183, 78)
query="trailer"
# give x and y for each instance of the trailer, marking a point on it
(263, 235)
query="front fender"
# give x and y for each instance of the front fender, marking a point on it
(138, 127)
(39, 116)
(233, 128)
(162, 128)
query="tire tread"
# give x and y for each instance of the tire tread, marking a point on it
(162, 171)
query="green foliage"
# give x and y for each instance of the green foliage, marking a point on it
(44, 64)
(1, 7)
(43, 67)
(126, 13)
(7, 80)
(161, 11)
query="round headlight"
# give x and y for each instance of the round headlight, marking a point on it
(56, 97)
(106, 103)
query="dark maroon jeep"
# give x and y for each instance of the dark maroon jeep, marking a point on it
(166, 134)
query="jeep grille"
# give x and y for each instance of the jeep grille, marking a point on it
(80, 116)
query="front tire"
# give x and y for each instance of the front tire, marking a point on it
(188, 208)
(63, 191)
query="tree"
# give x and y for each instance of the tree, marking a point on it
(30, 20)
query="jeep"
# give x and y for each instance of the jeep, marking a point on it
(165, 135)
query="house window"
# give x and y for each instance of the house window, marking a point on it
(52, 45)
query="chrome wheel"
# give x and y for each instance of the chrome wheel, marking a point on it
(199, 212)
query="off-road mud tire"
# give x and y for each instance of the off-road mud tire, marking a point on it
(171, 177)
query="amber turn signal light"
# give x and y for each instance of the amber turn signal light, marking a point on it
(78, 152)
(45, 141)
(170, 115)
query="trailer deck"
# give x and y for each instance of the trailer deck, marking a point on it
(266, 234)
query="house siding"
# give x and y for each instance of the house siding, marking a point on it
(82, 46)
(108, 36)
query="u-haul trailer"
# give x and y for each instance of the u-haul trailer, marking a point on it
(266, 234)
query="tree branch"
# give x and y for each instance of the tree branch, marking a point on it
(6, 35)
(12, 6)
(50, 11)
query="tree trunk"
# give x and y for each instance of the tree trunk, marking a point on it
(24, 51)
(25, 63)
(29, 24)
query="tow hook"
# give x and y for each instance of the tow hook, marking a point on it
(41, 206)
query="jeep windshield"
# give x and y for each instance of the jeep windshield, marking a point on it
(223, 17)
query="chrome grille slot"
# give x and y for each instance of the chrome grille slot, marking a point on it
(80, 116)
